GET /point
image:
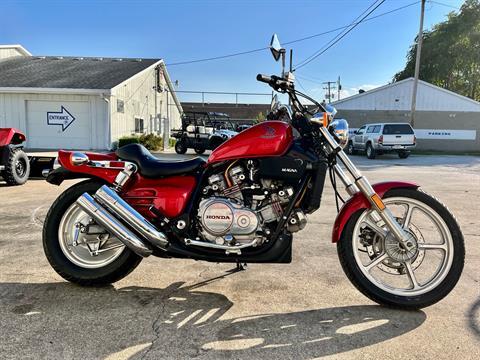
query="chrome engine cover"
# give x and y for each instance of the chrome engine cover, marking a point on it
(220, 217)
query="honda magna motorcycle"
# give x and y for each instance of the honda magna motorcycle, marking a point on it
(396, 244)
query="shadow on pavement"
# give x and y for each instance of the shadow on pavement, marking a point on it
(61, 320)
(474, 318)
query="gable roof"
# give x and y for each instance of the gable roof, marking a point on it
(17, 47)
(69, 72)
(398, 96)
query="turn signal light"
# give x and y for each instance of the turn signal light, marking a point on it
(326, 119)
(378, 202)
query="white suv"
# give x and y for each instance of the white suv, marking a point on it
(376, 139)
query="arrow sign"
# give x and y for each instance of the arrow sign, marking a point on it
(63, 118)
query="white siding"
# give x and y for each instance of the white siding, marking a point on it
(7, 51)
(13, 113)
(398, 96)
(139, 97)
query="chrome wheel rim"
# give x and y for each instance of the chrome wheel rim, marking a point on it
(89, 251)
(384, 255)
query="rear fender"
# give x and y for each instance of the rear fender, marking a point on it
(70, 171)
(359, 201)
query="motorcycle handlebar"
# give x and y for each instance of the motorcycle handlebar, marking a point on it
(274, 81)
(264, 78)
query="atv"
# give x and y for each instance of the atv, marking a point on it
(14, 163)
(15, 166)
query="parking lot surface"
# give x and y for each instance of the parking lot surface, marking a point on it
(183, 309)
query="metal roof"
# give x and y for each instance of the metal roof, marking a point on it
(398, 96)
(68, 72)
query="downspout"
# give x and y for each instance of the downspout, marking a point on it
(108, 130)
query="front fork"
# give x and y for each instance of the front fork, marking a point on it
(361, 184)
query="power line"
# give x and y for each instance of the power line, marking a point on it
(218, 57)
(338, 39)
(443, 4)
(340, 33)
(292, 41)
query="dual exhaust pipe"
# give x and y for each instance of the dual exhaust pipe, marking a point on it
(110, 211)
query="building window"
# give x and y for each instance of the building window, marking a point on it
(139, 127)
(120, 106)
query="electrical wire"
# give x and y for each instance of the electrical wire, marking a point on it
(443, 4)
(340, 33)
(324, 49)
(220, 57)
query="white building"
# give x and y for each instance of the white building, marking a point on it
(444, 120)
(84, 103)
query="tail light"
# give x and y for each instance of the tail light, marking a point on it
(380, 139)
(414, 139)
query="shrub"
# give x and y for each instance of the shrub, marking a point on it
(151, 141)
(125, 140)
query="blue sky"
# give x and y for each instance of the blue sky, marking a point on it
(185, 30)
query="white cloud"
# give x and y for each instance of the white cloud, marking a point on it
(350, 91)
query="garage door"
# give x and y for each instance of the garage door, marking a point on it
(58, 125)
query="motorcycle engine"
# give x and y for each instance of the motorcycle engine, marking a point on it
(239, 206)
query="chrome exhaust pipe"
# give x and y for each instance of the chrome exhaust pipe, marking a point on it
(119, 207)
(112, 225)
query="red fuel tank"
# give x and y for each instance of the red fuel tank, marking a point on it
(270, 138)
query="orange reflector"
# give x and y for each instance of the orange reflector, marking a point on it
(325, 119)
(378, 202)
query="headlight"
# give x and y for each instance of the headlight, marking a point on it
(340, 128)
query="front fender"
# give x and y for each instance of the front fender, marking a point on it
(11, 136)
(359, 201)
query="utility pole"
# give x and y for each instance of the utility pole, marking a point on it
(329, 89)
(417, 66)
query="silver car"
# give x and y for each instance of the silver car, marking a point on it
(377, 139)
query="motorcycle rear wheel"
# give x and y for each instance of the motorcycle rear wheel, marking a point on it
(417, 290)
(71, 263)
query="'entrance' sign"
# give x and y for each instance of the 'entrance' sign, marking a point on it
(62, 118)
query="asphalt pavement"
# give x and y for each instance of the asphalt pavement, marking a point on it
(174, 309)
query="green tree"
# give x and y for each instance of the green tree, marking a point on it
(450, 53)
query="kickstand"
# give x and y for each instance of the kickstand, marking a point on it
(241, 266)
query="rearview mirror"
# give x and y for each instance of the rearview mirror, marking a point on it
(276, 48)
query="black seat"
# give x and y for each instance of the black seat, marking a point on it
(150, 167)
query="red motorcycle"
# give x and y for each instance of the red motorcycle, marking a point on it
(396, 244)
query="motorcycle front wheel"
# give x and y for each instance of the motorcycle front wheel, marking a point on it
(382, 270)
